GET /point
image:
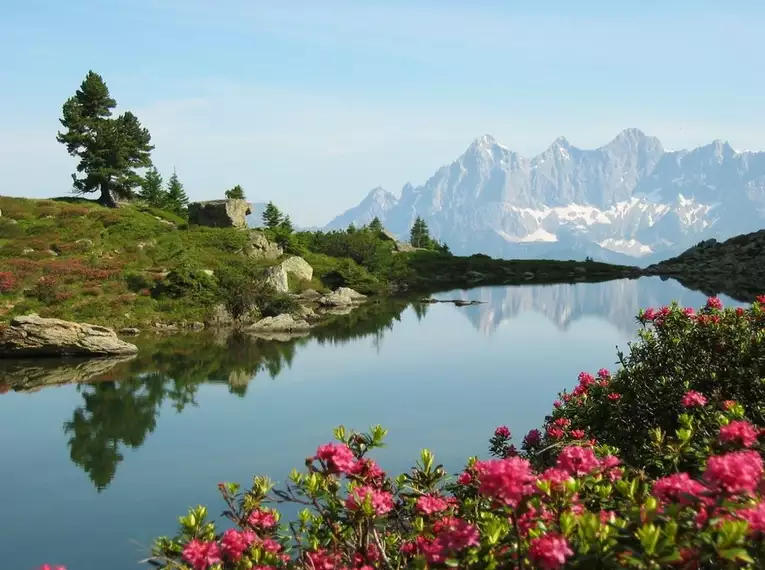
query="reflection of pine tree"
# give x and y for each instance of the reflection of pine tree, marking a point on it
(420, 309)
(117, 414)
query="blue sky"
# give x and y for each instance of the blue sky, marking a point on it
(312, 104)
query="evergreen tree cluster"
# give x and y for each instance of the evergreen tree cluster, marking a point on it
(419, 236)
(235, 193)
(273, 219)
(173, 198)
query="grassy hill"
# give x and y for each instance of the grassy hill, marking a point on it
(134, 265)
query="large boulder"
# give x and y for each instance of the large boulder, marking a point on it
(298, 267)
(278, 275)
(32, 335)
(261, 248)
(343, 296)
(220, 213)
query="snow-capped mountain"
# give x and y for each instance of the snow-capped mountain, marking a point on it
(628, 201)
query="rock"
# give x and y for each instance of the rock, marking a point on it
(276, 276)
(309, 295)
(52, 253)
(33, 374)
(341, 297)
(475, 276)
(528, 275)
(261, 248)
(298, 267)
(208, 272)
(197, 326)
(85, 242)
(280, 323)
(397, 245)
(27, 251)
(32, 335)
(278, 336)
(305, 313)
(220, 213)
(130, 330)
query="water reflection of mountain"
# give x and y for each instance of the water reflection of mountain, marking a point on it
(121, 400)
(615, 301)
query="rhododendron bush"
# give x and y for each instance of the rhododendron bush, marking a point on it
(687, 493)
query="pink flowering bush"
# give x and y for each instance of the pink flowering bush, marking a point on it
(685, 368)
(657, 466)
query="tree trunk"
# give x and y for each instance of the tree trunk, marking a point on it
(108, 197)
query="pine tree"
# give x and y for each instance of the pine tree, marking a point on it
(176, 195)
(419, 235)
(376, 225)
(235, 193)
(286, 225)
(272, 217)
(109, 149)
(152, 191)
(351, 228)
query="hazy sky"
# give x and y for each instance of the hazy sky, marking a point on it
(313, 103)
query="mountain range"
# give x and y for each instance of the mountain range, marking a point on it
(629, 201)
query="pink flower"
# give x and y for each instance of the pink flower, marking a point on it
(586, 379)
(452, 535)
(557, 404)
(562, 422)
(234, 543)
(614, 396)
(740, 432)
(49, 567)
(603, 373)
(549, 551)
(739, 311)
(261, 518)
(557, 477)
(465, 478)
(689, 312)
(755, 516)
(577, 460)
(381, 501)
(607, 517)
(714, 303)
(506, 481)
(555, 433)
(736, 472)
(200, 554)
(429, 504)
(578, 433)
(338, 458)
(728, 404)
(678, 488)
(502, 431)
(693, 399)
(649, 314)
(533, 438)
(322, 560)
(368, 470)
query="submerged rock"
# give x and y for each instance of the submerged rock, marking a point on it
(341, 297)
(280, 323)
(32, 335)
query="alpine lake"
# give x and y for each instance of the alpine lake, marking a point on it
(92, 472)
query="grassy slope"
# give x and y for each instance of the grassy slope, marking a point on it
(98, 263)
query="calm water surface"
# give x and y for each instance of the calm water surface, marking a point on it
(91, 473)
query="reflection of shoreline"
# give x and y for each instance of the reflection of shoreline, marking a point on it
(30, 375)
(617, 302)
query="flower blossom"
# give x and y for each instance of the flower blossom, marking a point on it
(262, 518)
(736, 472)
(740, 432)
(322, 560)
(714, 303)
(430, 504)
(678, 488)
(381, 501)
(577, 460)
(452, 535)
(614, 396)
(234, 543)
(532, 438)
(338, 458)
(755, 516)
(556, 476)
(502, 431)
(201, 554)
(694, 399)
(549, 551)
(506, 481)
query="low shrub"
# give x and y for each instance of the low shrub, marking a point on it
(714, 351)
(8, 281)
(187, 283)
